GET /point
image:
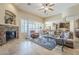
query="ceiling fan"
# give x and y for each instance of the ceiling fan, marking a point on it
(47, 7)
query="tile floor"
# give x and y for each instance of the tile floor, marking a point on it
(25, 47)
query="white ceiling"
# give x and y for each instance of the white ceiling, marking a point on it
(33, 8)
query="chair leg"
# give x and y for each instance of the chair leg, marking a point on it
(62, 45)
(62, 48)
(0, 42)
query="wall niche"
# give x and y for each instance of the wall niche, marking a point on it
(10, 17)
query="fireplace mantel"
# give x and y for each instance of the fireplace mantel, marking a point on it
(9, 25)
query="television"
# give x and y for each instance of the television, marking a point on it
(62, 25)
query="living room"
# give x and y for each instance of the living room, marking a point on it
(30, 28)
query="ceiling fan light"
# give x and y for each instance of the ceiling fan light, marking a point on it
(46, 8)
(42, 7)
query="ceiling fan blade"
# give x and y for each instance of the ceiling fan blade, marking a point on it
(51, 9)
(51, 5)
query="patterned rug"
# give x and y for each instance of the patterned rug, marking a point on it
(49, 43)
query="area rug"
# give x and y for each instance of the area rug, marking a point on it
(48, 43)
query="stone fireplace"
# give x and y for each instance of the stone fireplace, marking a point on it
(8, 32)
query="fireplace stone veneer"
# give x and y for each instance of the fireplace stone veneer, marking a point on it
(4, 29)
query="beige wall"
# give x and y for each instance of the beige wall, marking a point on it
(19, 15)
(4, 7)
(72, 11)
(54, 17)
(2, 12)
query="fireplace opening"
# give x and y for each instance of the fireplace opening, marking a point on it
(10, 35)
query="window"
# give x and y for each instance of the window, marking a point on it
(28, 25)
(24, 25)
